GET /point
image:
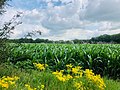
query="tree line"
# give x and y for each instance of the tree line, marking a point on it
(115, 39)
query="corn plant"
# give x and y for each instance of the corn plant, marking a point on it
(103, 59)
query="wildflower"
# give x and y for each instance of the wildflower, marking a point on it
(42, 87)
(8, 81)
(91, 81)
(68, 76)
(69, 66)
(76, 69)
(57, 73)
(62, 77)
(95, 79)
(16, 78)
(29, 87)
(40, 66)
(88, 72)
(79, 85)
(5, 85)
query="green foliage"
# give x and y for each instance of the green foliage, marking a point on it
(102, 59)
(36, 78)
(115, 38)
(112, 84)
(3, 51)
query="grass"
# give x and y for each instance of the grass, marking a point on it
(112, 84)
(35, 79)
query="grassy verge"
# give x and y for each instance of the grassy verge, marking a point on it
(112, 84)
(36, 80)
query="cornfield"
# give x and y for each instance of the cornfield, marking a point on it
(103, 59)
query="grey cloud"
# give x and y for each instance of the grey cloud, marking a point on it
(102, 10)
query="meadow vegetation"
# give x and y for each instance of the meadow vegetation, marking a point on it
(57, 66)
(103, 59)
(12, 78)
(61, 67)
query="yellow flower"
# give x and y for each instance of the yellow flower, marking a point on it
(76, 73)
(57, 73)
(7, 81)
(26, 85)
(9, 78)
(62, 77)
(88, 72)
(79, 85)
(5, 85)
(61, 71)
(40, 66)
(95, 79)
(29, 88)
(42, 86)
(16, 78)
(74, 70)
(69, 66)
(68, 76)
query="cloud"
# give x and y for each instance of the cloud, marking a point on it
(22, 30)
(102, 10)
(63, 17)
(71, 34)
(66, 19)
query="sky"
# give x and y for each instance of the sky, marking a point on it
(65, 19)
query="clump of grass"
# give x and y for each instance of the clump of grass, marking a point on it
(112, 84)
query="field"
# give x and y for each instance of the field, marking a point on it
(35, 63)
(102, 59)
